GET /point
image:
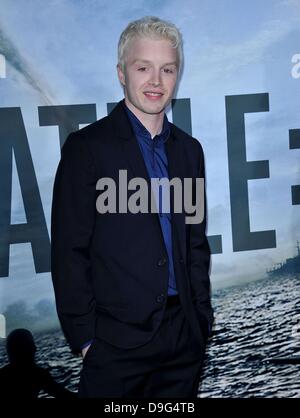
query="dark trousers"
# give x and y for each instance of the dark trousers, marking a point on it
(167, 366)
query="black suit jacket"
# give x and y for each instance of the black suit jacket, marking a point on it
(110, 271)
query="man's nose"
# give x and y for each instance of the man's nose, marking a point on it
(155, 78)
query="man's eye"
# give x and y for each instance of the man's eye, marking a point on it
(168, 70)
(142, 69)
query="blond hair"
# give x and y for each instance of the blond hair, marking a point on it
(151, 27)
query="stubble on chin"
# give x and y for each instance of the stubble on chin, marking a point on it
(145, 108)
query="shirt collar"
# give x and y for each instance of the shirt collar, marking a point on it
(142, 132)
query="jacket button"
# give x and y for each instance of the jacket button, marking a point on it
(181, 261)
(161, 262)
(160, 298)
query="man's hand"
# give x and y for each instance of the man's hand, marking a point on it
(85, 350)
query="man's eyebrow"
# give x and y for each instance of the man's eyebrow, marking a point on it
(140, 60)
(149, 62)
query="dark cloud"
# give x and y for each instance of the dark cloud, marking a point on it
(40, 317)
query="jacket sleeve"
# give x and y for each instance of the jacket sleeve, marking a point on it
(199, 263)
(72, 224)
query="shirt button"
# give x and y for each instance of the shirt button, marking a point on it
(161, 262)
(160, 298)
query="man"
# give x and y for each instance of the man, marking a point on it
(132, 289)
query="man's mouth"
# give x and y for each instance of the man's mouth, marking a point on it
(153, 95)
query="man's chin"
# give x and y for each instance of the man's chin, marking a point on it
(154, 109)
(149, 108)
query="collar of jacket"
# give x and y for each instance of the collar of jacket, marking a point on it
(122, 125)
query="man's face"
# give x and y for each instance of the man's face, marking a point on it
(150, 75)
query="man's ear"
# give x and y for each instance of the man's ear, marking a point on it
(121, 75)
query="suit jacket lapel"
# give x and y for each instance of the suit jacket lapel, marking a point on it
(129, 143)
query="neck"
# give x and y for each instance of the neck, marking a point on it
(152, 122)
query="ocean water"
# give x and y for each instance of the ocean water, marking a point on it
(254, 323)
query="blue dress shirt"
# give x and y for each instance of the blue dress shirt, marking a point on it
(155, 157)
